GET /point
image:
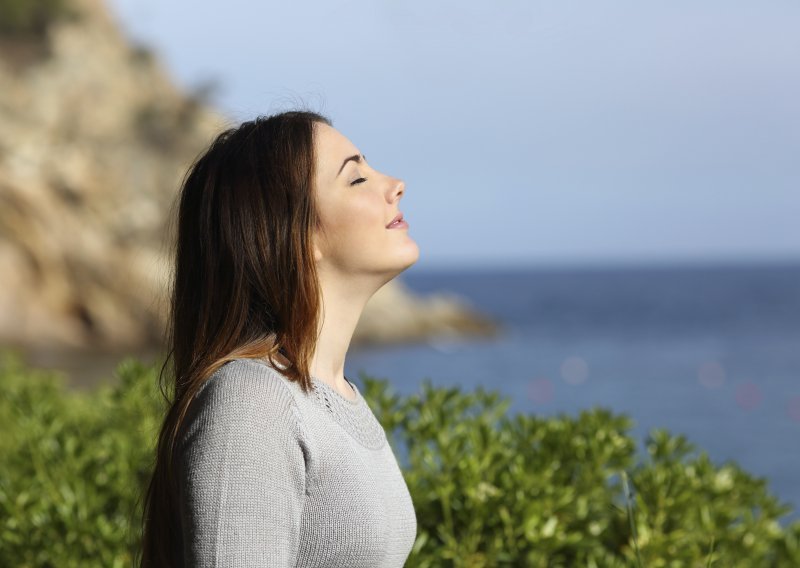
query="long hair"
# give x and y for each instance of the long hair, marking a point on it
(244, 284)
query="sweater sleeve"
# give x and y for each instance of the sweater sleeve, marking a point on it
(242, 472)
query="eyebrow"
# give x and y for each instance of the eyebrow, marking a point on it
(355, 158)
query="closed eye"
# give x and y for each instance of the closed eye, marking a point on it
(359, 180)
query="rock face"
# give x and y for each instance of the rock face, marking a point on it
(94, 140)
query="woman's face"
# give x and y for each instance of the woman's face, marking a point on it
(355, 204)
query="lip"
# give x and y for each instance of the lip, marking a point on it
(399, 217)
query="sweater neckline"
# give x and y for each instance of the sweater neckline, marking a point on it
(323, 386)
(354, 402)
(354, 416)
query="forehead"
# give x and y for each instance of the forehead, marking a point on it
(331, 147)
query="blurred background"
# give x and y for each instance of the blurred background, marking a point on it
(605, 195)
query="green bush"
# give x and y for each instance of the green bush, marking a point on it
(494, 490)
(489, 489)
(72, 466)
(30, 17)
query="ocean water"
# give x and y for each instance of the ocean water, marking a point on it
(711, 352)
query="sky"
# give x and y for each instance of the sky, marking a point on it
(530, 133)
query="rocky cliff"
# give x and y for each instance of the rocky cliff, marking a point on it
(94, 139)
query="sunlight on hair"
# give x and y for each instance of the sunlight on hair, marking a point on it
(574, 370)
(711, 375)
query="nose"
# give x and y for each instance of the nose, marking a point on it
(398, 188)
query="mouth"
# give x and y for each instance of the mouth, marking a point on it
(396, 222)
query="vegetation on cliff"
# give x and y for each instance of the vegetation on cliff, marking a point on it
(31, 18)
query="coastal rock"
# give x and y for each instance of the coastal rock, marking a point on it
(395, 315)
(94, 142)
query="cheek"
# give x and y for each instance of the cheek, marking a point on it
(360, 214)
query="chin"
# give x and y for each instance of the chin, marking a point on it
(400, 265)
(412, 257)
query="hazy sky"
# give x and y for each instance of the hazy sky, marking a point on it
(531, 132)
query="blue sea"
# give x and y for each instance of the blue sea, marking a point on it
(711, 352)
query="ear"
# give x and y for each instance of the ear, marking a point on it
(317, 253)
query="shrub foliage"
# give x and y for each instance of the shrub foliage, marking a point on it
(30, 17)
(73, 466)
(489, 489)
(497, 490)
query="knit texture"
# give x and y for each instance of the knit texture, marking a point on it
(270, 476)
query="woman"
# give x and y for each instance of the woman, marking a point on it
(269, 456)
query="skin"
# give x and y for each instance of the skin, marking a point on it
(356, 254)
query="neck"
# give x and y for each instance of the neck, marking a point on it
(343, 301)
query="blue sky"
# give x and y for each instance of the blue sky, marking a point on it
(531, 133)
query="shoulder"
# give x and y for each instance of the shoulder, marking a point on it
(244, 398)
(242, 470)
(245, 380)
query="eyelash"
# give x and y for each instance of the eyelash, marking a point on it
(358, 181)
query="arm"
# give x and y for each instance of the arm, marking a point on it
(242, 473)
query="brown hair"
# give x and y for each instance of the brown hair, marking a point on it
(244, 284)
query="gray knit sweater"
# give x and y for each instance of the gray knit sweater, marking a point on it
(270, 476)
